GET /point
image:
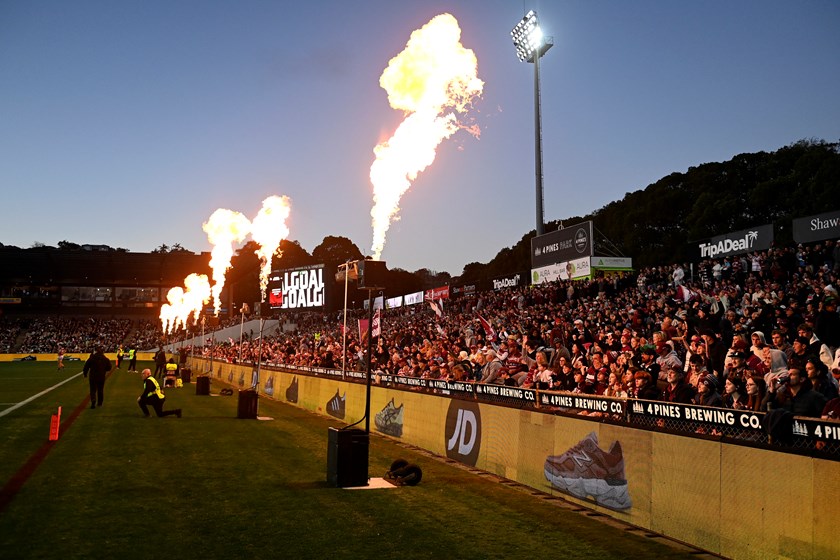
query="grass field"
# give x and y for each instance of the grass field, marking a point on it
(209, 485)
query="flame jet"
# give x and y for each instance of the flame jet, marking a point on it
(224, 228)
(268, 229)
(433, 74)
(185, 302)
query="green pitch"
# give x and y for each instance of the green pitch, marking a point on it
(208, 485)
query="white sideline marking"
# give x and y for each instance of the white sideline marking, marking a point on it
(33, 397)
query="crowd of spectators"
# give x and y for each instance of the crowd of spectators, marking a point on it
(10, 329)
(755, 331)
(758, 331)
(72, 335)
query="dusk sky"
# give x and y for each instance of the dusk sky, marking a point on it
(128, 123)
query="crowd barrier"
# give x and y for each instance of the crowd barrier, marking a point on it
(742, 500)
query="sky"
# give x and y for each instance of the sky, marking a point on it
(129, 123)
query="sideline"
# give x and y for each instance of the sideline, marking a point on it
(10, 489)
(44, 392)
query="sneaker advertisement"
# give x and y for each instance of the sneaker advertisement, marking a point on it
(389, 420)
(588, 472)
(336, 406)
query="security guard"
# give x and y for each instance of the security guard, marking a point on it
(132, 359)
(152, 395)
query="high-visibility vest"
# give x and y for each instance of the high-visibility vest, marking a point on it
(131, 354)
(157, 390)
(171, 369)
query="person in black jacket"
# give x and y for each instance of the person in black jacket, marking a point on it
(677, 390)
(98, 366)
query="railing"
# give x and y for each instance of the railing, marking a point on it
(810, 436)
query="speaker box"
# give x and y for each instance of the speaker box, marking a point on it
(372, 275)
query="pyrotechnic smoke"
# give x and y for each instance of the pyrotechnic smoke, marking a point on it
(223, 229)
(268, 229)
(433, 74)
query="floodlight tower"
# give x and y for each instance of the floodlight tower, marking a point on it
(530, 45)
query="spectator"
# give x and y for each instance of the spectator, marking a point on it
(677, 390)
(707, 393)
(756, 394)
(734, 393)
(795, 395)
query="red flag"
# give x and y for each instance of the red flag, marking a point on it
(436, 308)
(488, 330)
(363, 328)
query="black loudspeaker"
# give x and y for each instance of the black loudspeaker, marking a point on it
(347, 457)
(372, 275)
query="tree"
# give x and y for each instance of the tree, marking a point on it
(336, 250)
(291, 255)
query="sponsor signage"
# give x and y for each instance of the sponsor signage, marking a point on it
(720, 416)
(413, 299)
(394, 302)
(817, 228)
(754, 239)
(548, 273)
(623, 263)
(462, 432)
(510, 281)
(568, 402)
(463, 290)
(297, 288)
(437, 293)
(562, 245)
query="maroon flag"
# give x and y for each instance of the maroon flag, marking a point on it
(488, 330)
(377, 323)
(436, 308)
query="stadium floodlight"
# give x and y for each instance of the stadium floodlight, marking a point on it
(530, 45)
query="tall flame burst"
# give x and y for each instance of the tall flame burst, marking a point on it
(432, 75)
(224, 228)
(268, 229)
(185, 302)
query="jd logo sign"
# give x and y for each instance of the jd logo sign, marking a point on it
(463, 432)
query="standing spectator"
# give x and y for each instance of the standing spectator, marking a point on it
(120, 355)
(160, 363)
(60, 359)
(96, 368)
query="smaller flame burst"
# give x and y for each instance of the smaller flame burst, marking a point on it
(225, 229)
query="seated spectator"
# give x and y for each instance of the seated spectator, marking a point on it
(756, 394)
(707, 393)
(645, 387)
(677, 390)
(795, 395)
(818, 376)
(734, 393)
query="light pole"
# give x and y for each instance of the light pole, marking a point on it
(530, 45)
(346, 270)
(243, 310)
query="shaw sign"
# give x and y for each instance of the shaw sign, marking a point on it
(817, 228)
(735, 243)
